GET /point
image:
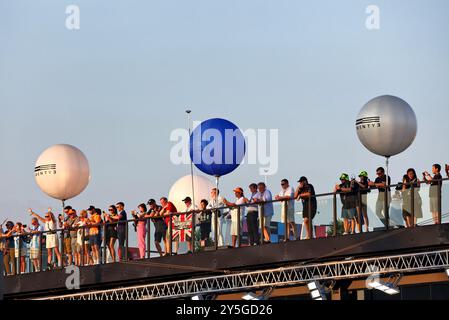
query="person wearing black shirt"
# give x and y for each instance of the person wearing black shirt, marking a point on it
(362, 203)
(409, 180)
(380, 183)
(205, 219)
(306, 192)
(160, 228)
(348, 191)
(434, 190)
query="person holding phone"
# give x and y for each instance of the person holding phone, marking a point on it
(51, 243)
(111, 230)
(141, 228)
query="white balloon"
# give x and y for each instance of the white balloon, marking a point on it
(62, 171)
(183, 188)
(386, 125)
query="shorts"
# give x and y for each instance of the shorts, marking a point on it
(160, 230)
(433, 204)
(34, 253)
(23, 252)
(205, 229)
(290, 215)
(121, 236)
(348, 213)
(78, 248)
(68, 245)
(305, 211)
(111, 233)
(267, 221)
(95, 240)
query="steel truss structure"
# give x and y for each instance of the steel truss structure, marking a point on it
(279, 277)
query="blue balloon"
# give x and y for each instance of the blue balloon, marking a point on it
(217, 147)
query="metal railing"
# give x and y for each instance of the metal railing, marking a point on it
(60, 233)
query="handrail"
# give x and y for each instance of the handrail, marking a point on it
(211, 210)
(60, 233)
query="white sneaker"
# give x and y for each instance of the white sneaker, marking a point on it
(345, 233)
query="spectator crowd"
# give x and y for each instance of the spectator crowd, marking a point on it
(84, 235)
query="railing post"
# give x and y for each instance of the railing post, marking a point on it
(238, 226)
(286, 225)
(440, 186)
(83, 236)
(386, 209)
(334, 212)
(309, 213)
(148, 222)
(215, 213)
(19, 270)
(412, 205)
(105, 245)
(262, 223)
(170, 234)
(41, 238)
(62, 248)
(2, 276)
(126, 239)
(193, 232)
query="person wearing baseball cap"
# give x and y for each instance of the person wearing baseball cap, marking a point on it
(306, 193)
(362, 203)
(240, 200)
(189, 208)
(348, 196)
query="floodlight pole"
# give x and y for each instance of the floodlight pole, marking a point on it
(386, 209)
(191, 161)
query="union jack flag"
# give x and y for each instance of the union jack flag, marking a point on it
(182, 227)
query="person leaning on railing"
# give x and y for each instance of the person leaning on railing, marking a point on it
(20, 245)
(287, 194)
(168, 208)
(306, 193)
(51, 242)
(205, 220)
(240, 199)
(362, 203)
(381, 184)
(264, 195)
(160, 228)
(252, 216)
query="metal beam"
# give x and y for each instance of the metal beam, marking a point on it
(279, 277)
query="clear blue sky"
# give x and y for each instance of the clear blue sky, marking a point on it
(117, 87)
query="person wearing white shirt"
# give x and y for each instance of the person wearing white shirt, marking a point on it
(287, 194)
(264, 196)
(216, 201)
(190, 207)
(240, 199)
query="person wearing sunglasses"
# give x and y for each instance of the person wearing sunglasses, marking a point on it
(111, 230)
(287, 193)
